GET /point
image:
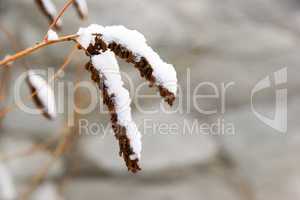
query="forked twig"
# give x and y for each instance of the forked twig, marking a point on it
(63, 10)
(101, 44)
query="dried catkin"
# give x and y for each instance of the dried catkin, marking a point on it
(126, 149)
(133, 48)
(43, 95)
(98, 42)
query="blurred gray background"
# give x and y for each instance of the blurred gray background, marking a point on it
(240, 41)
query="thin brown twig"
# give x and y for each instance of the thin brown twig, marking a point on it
(29, 151)
(71, 164)
(66, 142)
(41, 175)
(10, 37)
(6, 74)
(14, 44)
(4, 86)
(36, 47)
(62, 11)
(62, 67)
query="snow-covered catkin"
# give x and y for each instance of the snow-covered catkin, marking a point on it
(105, 72)
(81, 8)
(49, 10)
(99, 42)
(7, 187)
(131, 46)
(44, 95)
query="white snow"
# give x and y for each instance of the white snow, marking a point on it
(7, 187)
(46, 191)
(51, 9)
(44, 92)
(82, 5)
(107, 65)
(164, 73)
(52, 35)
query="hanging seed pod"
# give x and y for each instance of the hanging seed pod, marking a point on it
(99, 42)
(81, 8)
(131, 46)
(105, 72)
(43, 95)
(49, 10)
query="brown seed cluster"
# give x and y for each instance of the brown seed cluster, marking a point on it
(44, 10)
(145, 70)
(141, 64)
(120, 131)
(37, 100)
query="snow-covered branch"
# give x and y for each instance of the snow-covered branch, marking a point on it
(105, 72)
(101, 44)
(131, 45)
(51, 35)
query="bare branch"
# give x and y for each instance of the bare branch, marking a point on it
(59, 15)
(36, 47)
(62, 67)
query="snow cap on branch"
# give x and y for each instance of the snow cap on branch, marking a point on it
(52, 35)
(131, 44)
(107, 65)
(7, 187)
(44, 97)
(82, 8)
